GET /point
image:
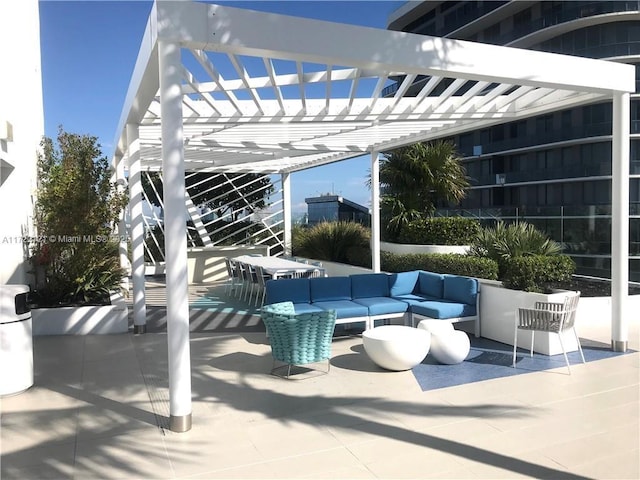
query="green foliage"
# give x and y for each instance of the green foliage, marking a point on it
(454, 264)
(527, 259)
(413, 179)
(343, 242)
(76, 209)
(537, 273)
(515, 240)
(440, 231)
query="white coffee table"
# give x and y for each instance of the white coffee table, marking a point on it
(448, 346)
(396, 347)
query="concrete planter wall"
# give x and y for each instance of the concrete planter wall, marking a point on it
(108, 319)
(498, 307)
(403, 249)
(206, 264)
(334, 269)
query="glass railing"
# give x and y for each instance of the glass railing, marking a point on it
(584, 231)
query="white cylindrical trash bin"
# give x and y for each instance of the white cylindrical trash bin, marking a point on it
(16, 341)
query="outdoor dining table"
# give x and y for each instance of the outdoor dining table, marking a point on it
(275, 266)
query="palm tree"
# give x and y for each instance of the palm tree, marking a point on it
(415, 177)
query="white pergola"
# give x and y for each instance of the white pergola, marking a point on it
(220, 89)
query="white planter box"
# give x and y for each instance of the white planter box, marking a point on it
(498, 307)
(91, 320)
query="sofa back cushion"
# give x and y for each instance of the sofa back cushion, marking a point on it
(431, 284)
(460, 289)
(369, 285)
(403, 283)
(325, 289)
(295, 290)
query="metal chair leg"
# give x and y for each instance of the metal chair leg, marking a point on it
(564, 352)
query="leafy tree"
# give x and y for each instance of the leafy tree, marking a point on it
(241, 195)
(413, 179)
(76, 208)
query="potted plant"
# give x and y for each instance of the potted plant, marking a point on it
(531, 268)
(76, 264)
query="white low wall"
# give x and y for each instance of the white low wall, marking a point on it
(108, 319)
(404, 249)
(334, 269)
(498, 306)
(206, 264)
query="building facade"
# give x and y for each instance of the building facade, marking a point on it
(554, 170)
(334, 208)
(21, 130)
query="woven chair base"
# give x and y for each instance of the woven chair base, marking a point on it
(298, 372)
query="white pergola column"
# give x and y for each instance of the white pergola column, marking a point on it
(121, 183)
(175, 237)
(375, 211)
(137, 231)
(286, 211)
(620, 223)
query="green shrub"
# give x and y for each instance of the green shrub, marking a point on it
(527, 258)
(440, 231)
(537, 273)
(515, 240)
(77, 206)
(452, 263)
(342, 242)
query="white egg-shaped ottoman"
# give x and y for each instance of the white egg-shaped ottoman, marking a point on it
(396, 347)
(448, 346)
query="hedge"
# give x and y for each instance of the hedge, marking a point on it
(440, 231)
(536, 273)
(452, 263)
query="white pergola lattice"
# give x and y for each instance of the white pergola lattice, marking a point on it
(222, 89)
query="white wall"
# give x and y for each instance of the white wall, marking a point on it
(20, 105)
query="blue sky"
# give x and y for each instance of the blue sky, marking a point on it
(89, 50)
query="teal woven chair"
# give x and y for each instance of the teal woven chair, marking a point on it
(298, 339)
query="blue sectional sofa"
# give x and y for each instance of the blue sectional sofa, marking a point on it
(366, 298)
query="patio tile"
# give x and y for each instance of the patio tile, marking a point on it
(593, 447)
(353, 473)
(133, 455)
(413, 465)
(624, 465)
(45, 459)
(315, 463)
(198, 459)
(356, 422)
(253, 471)
(487, 465)
(114, 418)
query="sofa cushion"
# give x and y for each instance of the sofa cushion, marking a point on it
(412, 298)
(369, 285)
(306, 308)
(430, 284)
(344, 308)
(326, 289)
(294, 290)
(444, 309)
(403, 283)
(460, 289)
(382, 305)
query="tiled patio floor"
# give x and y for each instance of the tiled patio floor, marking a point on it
(100, 404)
